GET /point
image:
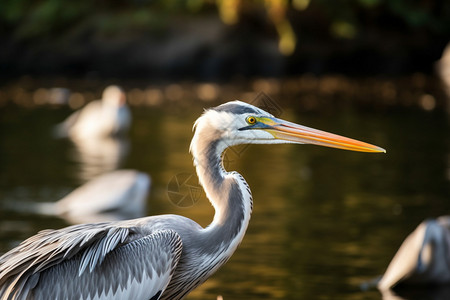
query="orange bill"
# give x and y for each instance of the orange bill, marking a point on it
(295, 133)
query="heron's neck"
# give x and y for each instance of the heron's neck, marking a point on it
(227, 191)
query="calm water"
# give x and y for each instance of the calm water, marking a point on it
(324, 220)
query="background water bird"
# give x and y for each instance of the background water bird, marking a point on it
(423, 258)
(112, 196)
(166, 256)
(109, 116)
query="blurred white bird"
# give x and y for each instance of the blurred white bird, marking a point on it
(442, 68)
(109, 116)
(118, 195)
(423, 258)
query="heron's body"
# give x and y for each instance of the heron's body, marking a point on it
(214, 244)
(147, 248)
(158, 257)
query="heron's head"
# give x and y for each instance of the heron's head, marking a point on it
(237, 122)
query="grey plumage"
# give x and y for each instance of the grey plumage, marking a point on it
(80, 255)
(157, 253)
(238, 109)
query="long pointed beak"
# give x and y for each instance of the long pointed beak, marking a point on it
(292, 132)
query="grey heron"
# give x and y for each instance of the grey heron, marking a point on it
(106, 117)
(165, 256)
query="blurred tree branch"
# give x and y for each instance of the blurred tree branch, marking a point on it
(25, 20)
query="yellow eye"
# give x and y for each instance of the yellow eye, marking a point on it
(251, 120)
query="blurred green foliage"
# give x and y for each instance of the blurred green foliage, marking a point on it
(346, 19)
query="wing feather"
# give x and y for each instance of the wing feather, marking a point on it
(100, 261)
(137, 270)
(96, 252)
(51, 247)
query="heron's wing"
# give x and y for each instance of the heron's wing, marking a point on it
(141, 269)
(86, 247)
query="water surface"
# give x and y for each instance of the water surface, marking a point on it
(324, 220)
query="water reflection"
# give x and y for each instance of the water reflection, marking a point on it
(418, 293)
(98, 155)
